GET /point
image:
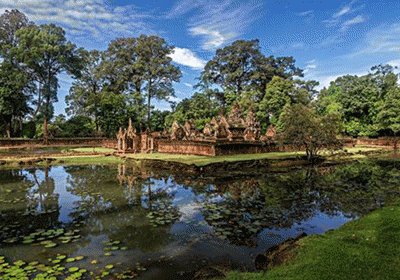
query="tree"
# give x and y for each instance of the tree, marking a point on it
(356, 98)
(15, 85)
(10, 23)
(45, 53)
(158, 71)
(303, 128)
(15, 93)
(200, 108)
(242, 67)
(158, 119)
(124, 73)
(389, 113)
(113, 112)
(84, 94)
(277, 95)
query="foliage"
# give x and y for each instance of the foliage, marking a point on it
(158, 119)
(84, 95)
(200, 108)
(303, 128)
(389, 112)
(45, 52)
(358, 100)
(15, 93)
(242, 67)
(15, 85)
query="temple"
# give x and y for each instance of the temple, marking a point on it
(237, 133)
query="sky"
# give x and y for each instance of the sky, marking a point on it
(328, 38)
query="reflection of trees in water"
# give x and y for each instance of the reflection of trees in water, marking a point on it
(33, 203)
(116, 202)
(280, 200)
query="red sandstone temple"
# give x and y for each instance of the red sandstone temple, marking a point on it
(234, 134)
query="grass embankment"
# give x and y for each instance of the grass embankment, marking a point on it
(204, 160)
(368, 248)
(98, 155)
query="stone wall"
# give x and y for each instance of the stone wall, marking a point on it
(99, 142)
(218, 148)
(186, 147)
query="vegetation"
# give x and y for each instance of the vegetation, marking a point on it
(303, 128)
(364, 249)
(122, 82)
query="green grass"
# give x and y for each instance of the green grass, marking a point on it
(368, 248)
(204, 160)
(92, 150)
(81, 160)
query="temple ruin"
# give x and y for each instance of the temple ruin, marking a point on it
(237, 133)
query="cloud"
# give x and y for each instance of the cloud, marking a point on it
(79, 18)
(394, 63)
(338, 18)
(355, 20)
(217, 22)
(187, 58)
(306, 13)
(188, 85)
(310, 66)
(383, 39)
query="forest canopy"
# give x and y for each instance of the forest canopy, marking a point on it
(123, 82)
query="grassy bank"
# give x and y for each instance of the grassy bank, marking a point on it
(368, 248)
(93, 155)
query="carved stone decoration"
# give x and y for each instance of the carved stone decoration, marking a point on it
(252, 132)
(208, 131)
(177, 133)
(271, 132)
(235, 117)
(270, 135)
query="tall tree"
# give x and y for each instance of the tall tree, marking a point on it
(159, 73)
(10, 23)
(15, 93)
(242, 67)
(389, 113)
(46, 53)
(123, 73)
(85, 93)
(15, 85)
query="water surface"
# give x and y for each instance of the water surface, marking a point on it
(173, 226)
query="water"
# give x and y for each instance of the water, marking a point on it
(175, 226)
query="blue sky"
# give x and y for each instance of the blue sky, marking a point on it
(327, 38)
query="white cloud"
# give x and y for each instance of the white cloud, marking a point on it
(355, 20)
(338, 18)
(95, 18)
(306, 13)
(188, 85)
(213, 38)
(217, 22)
(310, 66)
(394, 63)
(383, 39)
(187, 58)
(343, 11)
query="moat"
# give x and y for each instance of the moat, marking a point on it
(124, 220)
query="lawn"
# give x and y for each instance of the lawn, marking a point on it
(368, 248)
(204, 160)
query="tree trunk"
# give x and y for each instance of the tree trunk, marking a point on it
(148, 106)
(395, 143)
(45, 131)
